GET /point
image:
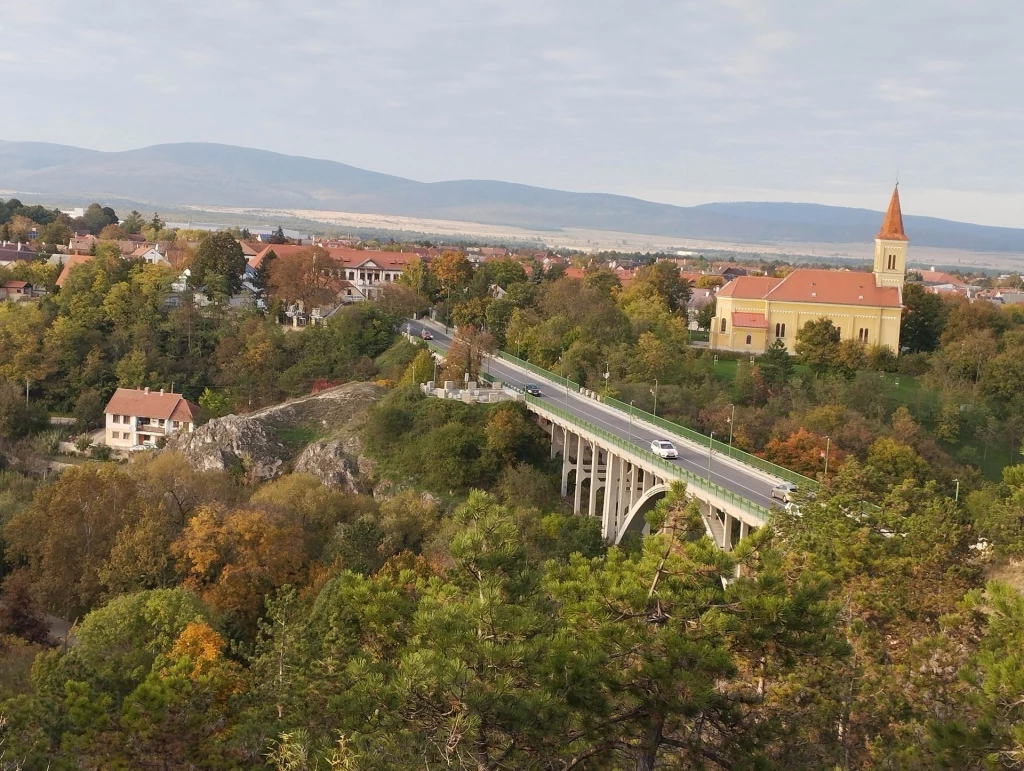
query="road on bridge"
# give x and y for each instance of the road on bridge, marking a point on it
(747, 484)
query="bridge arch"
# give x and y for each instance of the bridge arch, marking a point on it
(635, 521)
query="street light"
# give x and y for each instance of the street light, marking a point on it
(607, 374)
(956, 497)
(711, 440)
(655, 397)
(828, 445)
(732, 422)
(631, 422)
(565, 380)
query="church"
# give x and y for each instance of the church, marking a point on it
(753, 311)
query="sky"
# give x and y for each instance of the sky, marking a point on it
(669, 100)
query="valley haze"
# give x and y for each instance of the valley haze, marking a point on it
(258, 184)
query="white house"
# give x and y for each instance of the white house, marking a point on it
(151, 254)
(140, 417)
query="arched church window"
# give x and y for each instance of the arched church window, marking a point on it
(748, 339)
(723, 326)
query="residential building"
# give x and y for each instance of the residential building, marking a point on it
(140, 417)
(151, 254)
(70, 261)
(11, 252)
(15, 291)
(753, 311)
(82, 244)
(361, 274)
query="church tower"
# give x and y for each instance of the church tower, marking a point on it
(891, 246)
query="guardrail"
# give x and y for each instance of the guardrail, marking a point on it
(670, 469)
(686, 433)
(539, 371)
(721, 447)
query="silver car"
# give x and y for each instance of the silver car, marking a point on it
(784, 491)
(664, 448)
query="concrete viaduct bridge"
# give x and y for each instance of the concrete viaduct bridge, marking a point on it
(608, 465)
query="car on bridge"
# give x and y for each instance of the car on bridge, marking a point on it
(784, 492)
(425, 335)
(664, 448)
(532, 389)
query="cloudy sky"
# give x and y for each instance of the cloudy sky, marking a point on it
(671, 100)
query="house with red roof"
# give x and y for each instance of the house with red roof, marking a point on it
(139, 417)
(754, 311)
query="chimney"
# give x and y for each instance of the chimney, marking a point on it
(147, 389)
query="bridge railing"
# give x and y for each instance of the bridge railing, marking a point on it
(674, 428)
(721, 447)
(671, 470)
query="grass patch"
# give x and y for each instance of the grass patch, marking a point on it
(298, 437)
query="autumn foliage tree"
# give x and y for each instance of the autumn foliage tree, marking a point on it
(804, 453)
(306, 275)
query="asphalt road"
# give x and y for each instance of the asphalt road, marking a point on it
(749, 485)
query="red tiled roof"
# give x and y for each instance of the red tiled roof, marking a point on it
(938, 277)
(749, 287)
(15, 285)
(836, 287)
(892, 225)
(349, 258)
(72, 261)
(140, 403)
(749, 320)
(808, 285)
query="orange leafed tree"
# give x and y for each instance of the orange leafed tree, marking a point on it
(309, 275)
(804, 452)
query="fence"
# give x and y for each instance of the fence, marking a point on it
(671, 470)
(721, 447)
(674, 428)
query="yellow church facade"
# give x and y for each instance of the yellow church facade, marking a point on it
(753, 311)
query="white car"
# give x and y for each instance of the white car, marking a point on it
(784, 491)
(664, 448)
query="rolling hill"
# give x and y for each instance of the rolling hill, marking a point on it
(200, 174)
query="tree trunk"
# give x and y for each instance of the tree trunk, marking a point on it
(647, 753)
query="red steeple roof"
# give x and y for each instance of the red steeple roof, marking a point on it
(892, 225)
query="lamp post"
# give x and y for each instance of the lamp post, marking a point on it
(711, 440)
(631, 422)
(565, 380)
(828, 446)
(655, 397)
(447, 309)
(732, 422)
(607, 374)
(956, 496)
(435, 373)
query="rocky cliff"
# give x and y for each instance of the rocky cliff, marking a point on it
(318, 434)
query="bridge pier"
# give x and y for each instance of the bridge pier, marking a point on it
(631, 488)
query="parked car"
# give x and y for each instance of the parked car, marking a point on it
(664, 448)
(784, 491)
(425, 335)
(532, 389)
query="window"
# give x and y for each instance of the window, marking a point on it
(783, 331)
(748, 339)
(116, 435)
(780, 330)
(892, 262)
(862, 335)
(723, 326)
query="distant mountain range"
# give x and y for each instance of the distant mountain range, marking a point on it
(223, 175)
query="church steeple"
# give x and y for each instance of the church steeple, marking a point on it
(891, 246)
(892, 225)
